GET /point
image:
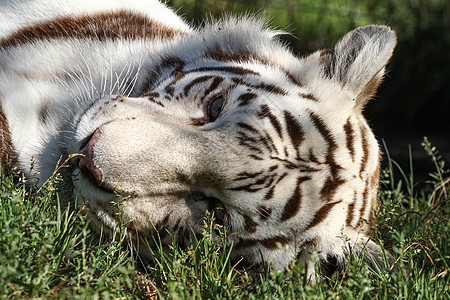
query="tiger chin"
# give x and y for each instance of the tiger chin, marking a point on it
(167, 122)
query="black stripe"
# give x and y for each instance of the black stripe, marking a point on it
(264, 212)
(196, 81)
(8, 155)
(325, 132)
(251, 187)
(294, 129)
(351, 209)
(228, 69)
(214, 85)
(330, 187)
(350, 138)
(245, 99)
(262, 86)
(321, 214)
(248, 127)
(364, 200)
(365, 148)
(247, 175)
(250, 225)
(294, 202)
(266, 113)
(308, 96)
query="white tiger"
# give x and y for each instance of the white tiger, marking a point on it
(182, 120)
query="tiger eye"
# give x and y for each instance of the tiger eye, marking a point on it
(214, 108)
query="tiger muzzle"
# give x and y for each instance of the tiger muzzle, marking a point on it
(141, 156)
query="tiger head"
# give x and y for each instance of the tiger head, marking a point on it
(226, 119)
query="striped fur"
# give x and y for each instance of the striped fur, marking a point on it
(183, 120)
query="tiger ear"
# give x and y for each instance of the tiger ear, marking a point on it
(358, 60)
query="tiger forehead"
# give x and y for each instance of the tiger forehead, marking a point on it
(181, 81)
(229, 64)
(177, 71)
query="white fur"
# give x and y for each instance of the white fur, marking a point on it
(157, 157)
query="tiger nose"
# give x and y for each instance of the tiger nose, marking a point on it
(86, 164)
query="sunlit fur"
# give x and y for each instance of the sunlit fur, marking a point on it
(290, 166)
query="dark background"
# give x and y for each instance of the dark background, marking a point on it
(413, 101)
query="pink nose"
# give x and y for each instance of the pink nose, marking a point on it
(86, 163)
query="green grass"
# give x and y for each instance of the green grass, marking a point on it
(45, 252)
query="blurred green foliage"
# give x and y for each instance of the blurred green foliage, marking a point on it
(416, 93)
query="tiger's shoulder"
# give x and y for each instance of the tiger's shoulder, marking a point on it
(15, 15)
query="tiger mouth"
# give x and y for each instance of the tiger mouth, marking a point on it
(102, 195)
(104, 221)
(218, 211)
(91, 178)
